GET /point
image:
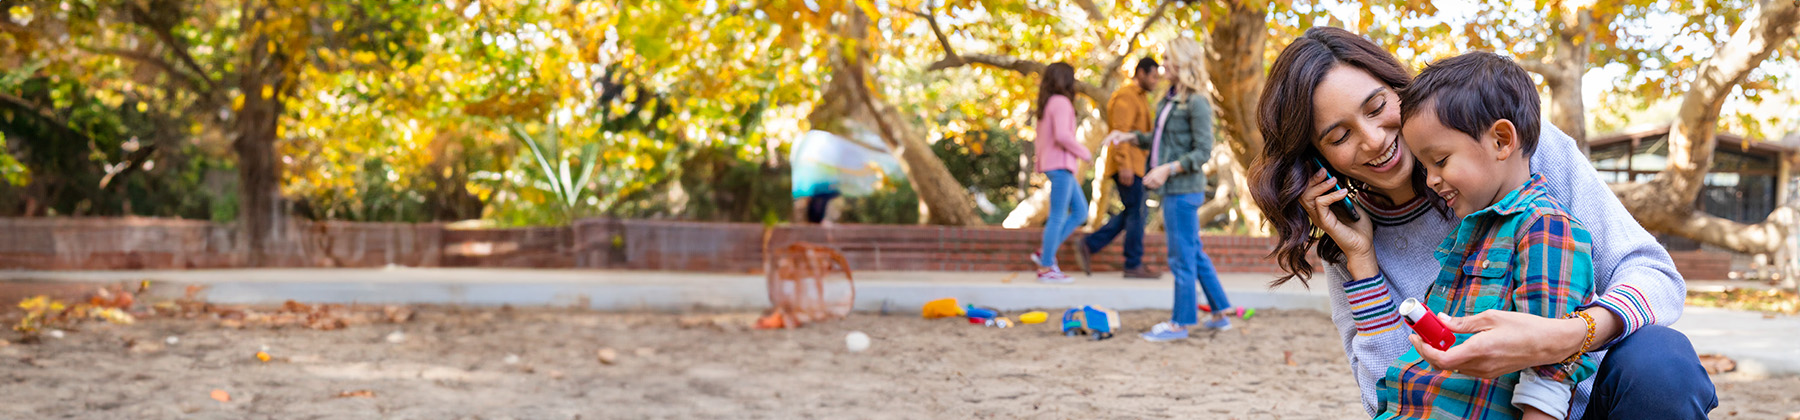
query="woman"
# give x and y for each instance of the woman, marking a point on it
(1059, 155)
(1331, 98)
(1181, 141)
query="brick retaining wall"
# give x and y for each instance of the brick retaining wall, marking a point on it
(151, 243)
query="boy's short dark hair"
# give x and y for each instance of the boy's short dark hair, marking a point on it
(1473, 91)
(1145, 64)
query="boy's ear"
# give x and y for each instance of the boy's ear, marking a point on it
(1505, 139)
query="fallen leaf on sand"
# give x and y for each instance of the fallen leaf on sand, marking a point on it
(397, 314)
(1009, 278)
(696, 321)
(607, 355)
(1289, 355)
(263, 356)
(192, 291)
(145, 347)
(360, 393)
(1715, 363)
(221, 395)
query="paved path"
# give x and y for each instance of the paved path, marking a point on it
(612, 289)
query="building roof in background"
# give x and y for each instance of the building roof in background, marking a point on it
(1788, 144)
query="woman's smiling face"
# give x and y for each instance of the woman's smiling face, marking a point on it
(1358, 131)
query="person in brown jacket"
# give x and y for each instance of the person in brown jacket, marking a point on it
(1127, 111)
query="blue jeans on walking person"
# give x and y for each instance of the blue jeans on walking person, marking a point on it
(1131, 221)
(1068, 208)
(1652, 374)
(1187, 261)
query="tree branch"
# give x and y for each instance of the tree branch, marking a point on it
(1131, 41)
(1097, 18)
(167, 36)
(22, 103)
(1540, 66)
(1691, 137)
(1022, 66)
(1666, 203)
(132, 162)
(931, 20)
(6, 25)
(159, 63)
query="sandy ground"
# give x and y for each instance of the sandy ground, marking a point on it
(454, 363)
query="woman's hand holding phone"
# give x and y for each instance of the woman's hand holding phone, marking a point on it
(1355, 238)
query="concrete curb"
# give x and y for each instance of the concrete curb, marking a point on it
(902, 292)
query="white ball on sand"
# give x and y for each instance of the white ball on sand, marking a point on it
(856, 341)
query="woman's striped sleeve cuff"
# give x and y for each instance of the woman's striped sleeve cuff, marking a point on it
(1630, 306)
(1371, 306)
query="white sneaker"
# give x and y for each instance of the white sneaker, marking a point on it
(1165, 331)
(1053, 276)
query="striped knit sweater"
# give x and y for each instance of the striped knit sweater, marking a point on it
(1637, 279)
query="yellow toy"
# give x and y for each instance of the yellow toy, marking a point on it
(941, 308)
(1034, 317)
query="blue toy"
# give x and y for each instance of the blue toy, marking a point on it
(980, 313)
(1094, 321)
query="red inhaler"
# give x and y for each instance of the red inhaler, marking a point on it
(1426, 324)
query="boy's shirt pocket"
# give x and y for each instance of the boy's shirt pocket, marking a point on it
(1485, 283)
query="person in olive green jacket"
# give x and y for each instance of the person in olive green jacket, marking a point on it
(1180, 143)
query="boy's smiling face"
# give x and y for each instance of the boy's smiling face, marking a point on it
(1470, 174)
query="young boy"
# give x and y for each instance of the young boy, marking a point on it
(1472, 122)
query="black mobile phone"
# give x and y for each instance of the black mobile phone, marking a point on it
(1344, 208)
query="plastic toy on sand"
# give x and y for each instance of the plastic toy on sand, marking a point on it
(856, 341)
(1240, 312)
(941, 308)
(1034, 317)
(807, 283)
(984, 314)
(1094, 321)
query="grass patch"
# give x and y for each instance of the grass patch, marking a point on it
(1781, 301)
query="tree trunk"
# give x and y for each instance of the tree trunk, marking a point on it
(262, 211)
(848, 96)
(1235, 64)
(943, 200)
(1030, 211)
(1101, 192)
(1666, 204)
(1221, 166)
(1562, 75)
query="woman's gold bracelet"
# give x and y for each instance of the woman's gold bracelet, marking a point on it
(1585, 342)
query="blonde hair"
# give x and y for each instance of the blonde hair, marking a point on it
(1189, 59)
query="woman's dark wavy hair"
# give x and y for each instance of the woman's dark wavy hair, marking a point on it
(1284, 115)
(1058, 79)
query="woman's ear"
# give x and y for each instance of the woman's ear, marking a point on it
(1505, 139)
